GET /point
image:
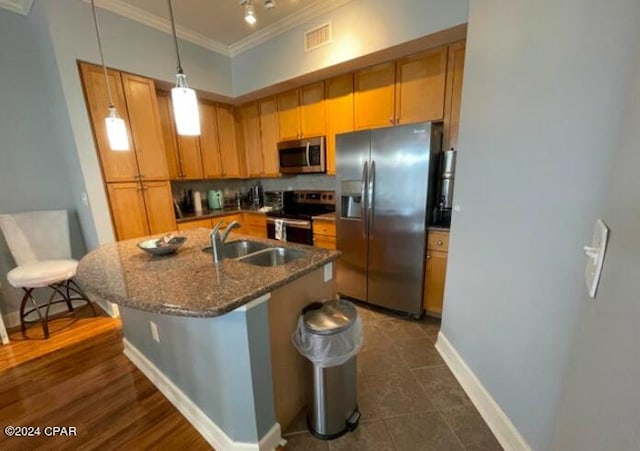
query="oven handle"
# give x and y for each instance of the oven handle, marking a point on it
(292, 223)
(308, 160)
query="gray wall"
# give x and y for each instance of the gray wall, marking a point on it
(359, 27)
(38, 167)
(545, 91)
(599, 408)
(222, 364)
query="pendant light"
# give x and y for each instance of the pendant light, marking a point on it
(185, 102)
(116, 129)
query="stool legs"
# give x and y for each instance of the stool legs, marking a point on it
(65, 290)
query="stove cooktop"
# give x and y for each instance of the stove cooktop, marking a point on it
(306, 204)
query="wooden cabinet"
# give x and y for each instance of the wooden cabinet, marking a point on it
(324, 234)
(405, 91)
(268, 109)
(117, 166)
(374, 96)
(228, 147)
(435, 271)
(182, 152)
(420, 86)
(146, 131)
(250, 123)
(301, 112)
(141, 208)
(254, 224)
(209, 140)
(455, 70)
(128, 211)
(339, 113)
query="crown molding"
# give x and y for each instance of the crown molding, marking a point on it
(122, 8)
(146, 18)
(17, 6)
(302, 16)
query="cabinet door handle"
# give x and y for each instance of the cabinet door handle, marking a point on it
(391, 120)
(440, 243)
(428, 257)
(397, 120)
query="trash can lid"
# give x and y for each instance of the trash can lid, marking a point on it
(333, 317)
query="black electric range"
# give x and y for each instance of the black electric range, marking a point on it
(296, 213)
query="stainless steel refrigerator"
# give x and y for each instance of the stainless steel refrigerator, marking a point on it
(384, 191)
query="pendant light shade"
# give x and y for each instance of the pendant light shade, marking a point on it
(185, 108)
(116, 131)
(183, 98)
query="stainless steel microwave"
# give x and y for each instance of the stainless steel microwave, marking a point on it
(303, 156)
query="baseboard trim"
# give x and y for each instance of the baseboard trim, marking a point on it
(498, 421)
(210, 431)
(12, 319)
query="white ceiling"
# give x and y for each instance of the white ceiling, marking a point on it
(219, 24)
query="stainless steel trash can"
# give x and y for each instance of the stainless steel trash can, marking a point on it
(333, 409)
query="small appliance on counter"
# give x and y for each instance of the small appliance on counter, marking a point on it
(444, 202)
(293, 221)
(277, 199)
(215, 199)
(255, 196)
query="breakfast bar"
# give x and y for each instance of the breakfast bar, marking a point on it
(215, 339)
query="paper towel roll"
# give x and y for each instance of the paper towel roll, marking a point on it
(197, 202)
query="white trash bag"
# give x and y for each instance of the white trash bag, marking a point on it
(329, 349)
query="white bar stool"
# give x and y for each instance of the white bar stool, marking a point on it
(39, 243)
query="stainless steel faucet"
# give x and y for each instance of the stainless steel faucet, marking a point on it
(217, 242)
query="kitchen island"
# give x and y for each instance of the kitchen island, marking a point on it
(215, 339)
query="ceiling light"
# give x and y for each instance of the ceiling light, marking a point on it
(116, 128)
(249, 13)
(184, 100)
(268, 4)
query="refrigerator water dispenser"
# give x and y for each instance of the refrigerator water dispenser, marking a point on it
(351, 199)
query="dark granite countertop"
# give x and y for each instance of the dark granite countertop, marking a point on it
(206, 213)
(187, 283)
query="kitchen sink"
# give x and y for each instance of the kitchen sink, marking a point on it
(235, 249)
(274, 256)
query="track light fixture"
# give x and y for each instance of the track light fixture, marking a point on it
(250, 11)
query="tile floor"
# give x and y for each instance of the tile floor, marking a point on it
(408, 398)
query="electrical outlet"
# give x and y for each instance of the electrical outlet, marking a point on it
(154, 331)
(328, 271)
(85, 199)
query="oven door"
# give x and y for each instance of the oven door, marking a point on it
(302, 156)
(297, 230)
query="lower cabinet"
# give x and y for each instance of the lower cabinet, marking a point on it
(141, 208)
(435, 272)
(324, 234)
(196, 224)
(254, 224)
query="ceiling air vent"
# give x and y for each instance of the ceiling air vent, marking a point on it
(317, 37)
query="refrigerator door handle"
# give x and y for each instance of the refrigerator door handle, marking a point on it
(371, 196)
(307, 155)
(363, 198)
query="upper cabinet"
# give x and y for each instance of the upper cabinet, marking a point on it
(301, 112)
(339, 113)
(401, 92)
(209, 140)
(229, 155)
(374, 96)
(455, 70)
(250, 124)
(269, 132)
(420, 82)
(146, 130)
(182, 152)
(116, 166)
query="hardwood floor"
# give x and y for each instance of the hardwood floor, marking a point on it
(80, 378)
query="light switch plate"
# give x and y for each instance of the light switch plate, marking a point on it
(595, 257)
(154, 331)
(328, 271)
